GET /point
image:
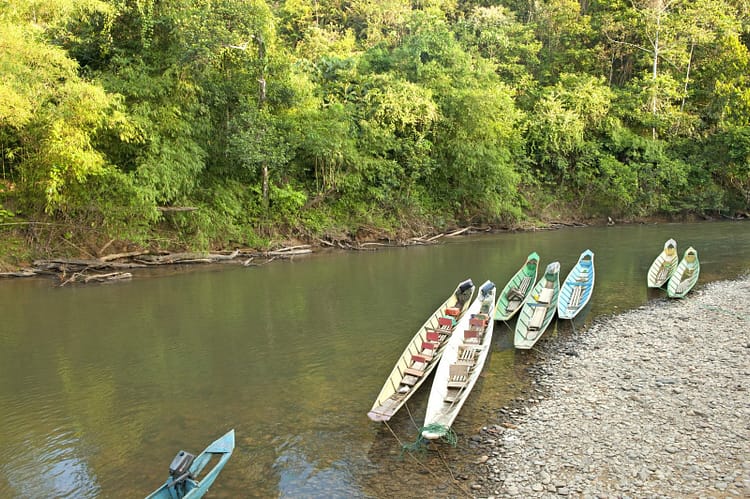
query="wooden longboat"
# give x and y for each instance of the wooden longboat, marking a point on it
(576, 289)
(461, 364)
(663, 265)
(686, 275)
(422, 354)
(539, 309)
(518, 288)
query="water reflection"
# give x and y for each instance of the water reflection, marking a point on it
(51, 466)
(310, 474)
(100, 386)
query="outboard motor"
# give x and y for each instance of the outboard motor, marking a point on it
(179, 470)
(464, 286)
(487, 304)
(462, 295)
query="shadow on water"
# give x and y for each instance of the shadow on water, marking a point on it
(101, 385)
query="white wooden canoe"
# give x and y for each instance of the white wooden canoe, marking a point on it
(576, 289)
(461, 364)
(686, 275)
(539, 309)
(663, 266)
(422, 354)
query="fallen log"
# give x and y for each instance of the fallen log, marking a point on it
(112, 276)
(19, 273)
(230, 256)
(117, 256)
(375, 244)
(150, 259)
(293, 248)
(64, 264)
(459, 231)
(286, 253)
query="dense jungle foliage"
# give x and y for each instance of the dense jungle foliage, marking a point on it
(215, 123)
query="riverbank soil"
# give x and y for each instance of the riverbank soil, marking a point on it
(22, 244)
(650, 403)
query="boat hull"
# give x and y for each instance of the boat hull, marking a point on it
(539, 309)
(192, 488)
(461, 364)
(663, 266)
(686, 275)
(517, 290)
(400, 384)
(576, 289)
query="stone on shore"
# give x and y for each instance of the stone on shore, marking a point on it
(650, 403)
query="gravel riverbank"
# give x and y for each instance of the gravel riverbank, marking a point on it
(650, 403)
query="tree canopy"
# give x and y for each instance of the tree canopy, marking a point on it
(321, 118)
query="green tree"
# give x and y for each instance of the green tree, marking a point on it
(50, 118)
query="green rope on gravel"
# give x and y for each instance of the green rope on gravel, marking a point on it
(744, 317)
(420, 445)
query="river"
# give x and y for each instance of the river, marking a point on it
(101, 385)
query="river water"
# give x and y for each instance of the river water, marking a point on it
(101, 385)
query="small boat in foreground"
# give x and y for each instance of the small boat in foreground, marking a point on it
(422, 354)
(539, 308)
(461, 364)
(184, 481)
(663, 266)
(577, 287)
(519, 287)
(686, 275)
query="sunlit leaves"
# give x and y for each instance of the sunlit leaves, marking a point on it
(495, 34)
(54, 115)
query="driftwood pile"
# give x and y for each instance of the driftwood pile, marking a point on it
(117, 266)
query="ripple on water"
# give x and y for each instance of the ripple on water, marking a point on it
(47, 465)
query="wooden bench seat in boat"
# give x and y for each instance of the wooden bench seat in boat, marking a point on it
(446, 322)
(434, 338)
(453, 311)
(467, 355)
(663, 272)
(512, 305)
(575, 297)
(452, 395)
(685, 282)
(471, 336)
(537, 318)
(519, 293)
(418, 363)
(428, 350)
(514, 294)
(477, 322)
(458, 375)
(444, 328)
(545, 295)
(442, 334)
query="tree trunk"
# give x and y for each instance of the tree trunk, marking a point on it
(655, 68)
(261, 103)
(687, 77)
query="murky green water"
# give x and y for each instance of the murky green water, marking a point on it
(101, 385)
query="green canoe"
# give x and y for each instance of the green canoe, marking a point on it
(686, 275)
(539, 308)
(517, 290)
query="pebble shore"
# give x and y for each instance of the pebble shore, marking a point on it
(654, 402)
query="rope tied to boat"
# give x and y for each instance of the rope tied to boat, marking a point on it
(420, 445)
